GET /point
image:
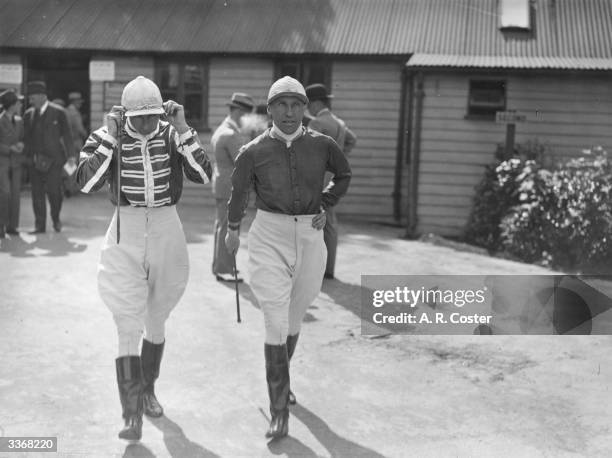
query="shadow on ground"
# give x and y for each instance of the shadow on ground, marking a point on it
(24, 245)
(177, 443)
(336, 445)
(244, 291)
(137, 450)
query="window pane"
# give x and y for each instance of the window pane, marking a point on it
(167, 95)
(315, 73)
(193, 106)
(486, 98)
(289, 69)
(193, 78)
(169, 76)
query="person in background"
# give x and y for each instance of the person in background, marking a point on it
(11, 158)
(226, 141)
(324, 121)
(286, 167)
(79, 135)
(59, 102)
(144, 264)
(47, 145)
(255, 123)
(75, 118)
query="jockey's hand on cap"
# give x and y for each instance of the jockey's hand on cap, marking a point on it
(113, 120)
(175, 114)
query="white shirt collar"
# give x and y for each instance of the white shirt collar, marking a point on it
(135, 134)
(287, 138)
(44, 107)
(323, 110)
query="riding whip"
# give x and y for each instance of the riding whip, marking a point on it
(237, 295)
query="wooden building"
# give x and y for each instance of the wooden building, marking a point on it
(419, 81)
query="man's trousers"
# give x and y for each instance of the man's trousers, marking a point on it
(142, 278)
(330, 236)
(286, 265)
(10, 188)
(223, 262)
(47, 183)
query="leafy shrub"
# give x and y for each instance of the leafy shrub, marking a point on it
(564, 218)
(495, 195)
(498, 192)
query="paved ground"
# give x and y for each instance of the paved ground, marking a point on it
(393, 396)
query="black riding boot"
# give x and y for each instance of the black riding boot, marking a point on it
(129, 380)
(151, 356)
(291, 343)
(277, 376)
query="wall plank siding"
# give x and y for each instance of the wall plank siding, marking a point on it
(6, 58)
(565, 112)
(367, 98)
(250, 75)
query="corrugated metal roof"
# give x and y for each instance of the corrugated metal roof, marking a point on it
(562, 28)
(494, 62)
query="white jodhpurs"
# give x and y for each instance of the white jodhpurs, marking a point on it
(286, 264)
(142, 278)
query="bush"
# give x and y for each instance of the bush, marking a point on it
(495, 195)
(564, 218)
(498, 192)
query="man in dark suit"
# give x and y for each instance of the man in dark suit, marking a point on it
(11, 154)
(48, 143)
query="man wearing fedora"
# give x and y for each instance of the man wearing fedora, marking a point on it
(286, 167)
(226, 141)
(11, 158)
(48, 145)
(324, 121)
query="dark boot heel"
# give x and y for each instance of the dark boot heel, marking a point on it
(132, 429)
(291, 344)
(279, 426)
(277, 377)
(129, 381)
(151, 356)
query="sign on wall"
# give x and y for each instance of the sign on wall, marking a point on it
(11, 73)
(101, 70)
(112, 94)
(509, 117)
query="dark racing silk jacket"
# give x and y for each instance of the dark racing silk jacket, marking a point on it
(152, 166)
(288, 178)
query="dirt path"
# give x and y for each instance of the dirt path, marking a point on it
(393, 396)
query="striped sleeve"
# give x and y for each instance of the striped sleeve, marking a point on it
(95, 159)
(196, 165)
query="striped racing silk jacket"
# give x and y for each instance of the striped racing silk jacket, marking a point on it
(152, 166)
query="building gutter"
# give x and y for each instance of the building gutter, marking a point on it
(417, 94)
(402, 145)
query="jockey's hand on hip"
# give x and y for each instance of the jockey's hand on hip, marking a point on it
(318, 221)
